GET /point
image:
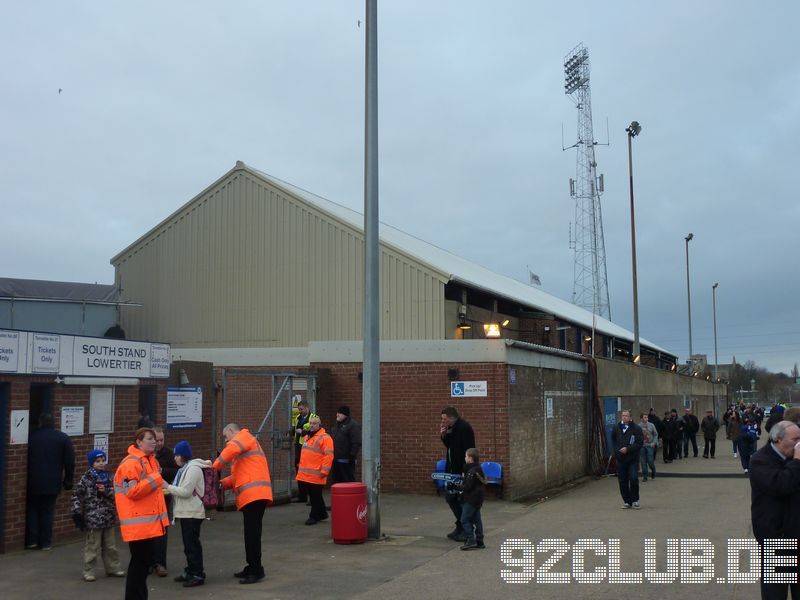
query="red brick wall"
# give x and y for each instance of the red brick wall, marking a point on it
(412, 398)
(126, 416)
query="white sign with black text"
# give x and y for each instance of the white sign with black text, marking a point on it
(72, 420)
(9, 351)
(184, 407)
(46, 353)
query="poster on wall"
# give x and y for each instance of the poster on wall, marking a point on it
(468, 388)
(184, 407)
(101, 443)
(72, 420)
(19, 426)
(101, 409)
(9, 351)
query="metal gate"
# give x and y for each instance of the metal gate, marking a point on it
(266, 403)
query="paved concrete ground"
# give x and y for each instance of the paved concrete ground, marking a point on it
(416, 560)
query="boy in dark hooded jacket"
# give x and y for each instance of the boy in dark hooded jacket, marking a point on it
(94, 512)
(472, 488)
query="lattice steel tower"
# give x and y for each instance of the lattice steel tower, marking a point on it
(590, 287)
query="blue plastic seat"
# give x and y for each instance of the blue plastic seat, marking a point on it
(441, 465)
(493, 472)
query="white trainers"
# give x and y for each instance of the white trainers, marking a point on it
(735, 455)
(626, 505)
(636, 505)
(89, 578)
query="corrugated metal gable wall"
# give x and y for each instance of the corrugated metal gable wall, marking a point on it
(249, 265)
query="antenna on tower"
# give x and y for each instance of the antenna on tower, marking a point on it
(590, 283)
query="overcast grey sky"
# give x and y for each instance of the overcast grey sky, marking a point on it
(159, 99)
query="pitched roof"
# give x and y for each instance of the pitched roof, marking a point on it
(456, 268)
(66, 291)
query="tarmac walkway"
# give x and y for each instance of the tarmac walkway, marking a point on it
(696, 499)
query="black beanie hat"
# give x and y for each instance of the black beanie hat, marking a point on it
(345, 410)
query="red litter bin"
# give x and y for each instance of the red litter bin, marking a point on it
(349, 513)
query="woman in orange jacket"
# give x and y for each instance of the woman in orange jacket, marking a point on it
(138, 491)
(316, 459)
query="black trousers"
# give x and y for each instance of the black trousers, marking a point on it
(39, 520)
(689, 437)
(343, 472)
(160, 543)
(314, 491)
(710, 444)
(301, 494)
(253, 516)
(190, 532)
(136, 581)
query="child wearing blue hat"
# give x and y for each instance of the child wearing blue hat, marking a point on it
(94, 512)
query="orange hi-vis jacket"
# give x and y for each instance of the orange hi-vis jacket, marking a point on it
(316, 458)
(139, 497)
(249, 476)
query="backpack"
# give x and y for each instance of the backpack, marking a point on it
(210, 497)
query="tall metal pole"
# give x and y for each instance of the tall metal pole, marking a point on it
(716, 360)
(371, 400)
(688, 239)
(633, 130)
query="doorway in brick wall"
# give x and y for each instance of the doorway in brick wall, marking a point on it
(265, 402)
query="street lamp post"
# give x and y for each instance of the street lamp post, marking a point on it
(716, 361)
(688, 239)
(633, 130)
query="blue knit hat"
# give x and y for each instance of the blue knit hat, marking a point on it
(183, 449)
(94, 455)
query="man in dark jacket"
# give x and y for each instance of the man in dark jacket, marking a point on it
(458, 437)
(774, 479)
(709, 425)
(627, 439)
(169, 468)
(51, 466)
(690, 428)
(346, 444)
(669, 434)
(680, 426)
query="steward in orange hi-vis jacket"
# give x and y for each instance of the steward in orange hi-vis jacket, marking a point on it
(250, 481)
(139, 497)
(316, 459)
(249, 476)
(141, 508)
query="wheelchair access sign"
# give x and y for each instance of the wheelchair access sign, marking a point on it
(468, 388)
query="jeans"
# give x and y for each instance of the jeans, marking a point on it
(471, 522)
(689, 437)
(344, 471)
(627, 474)
(39, 520)
(647, 459)
(253, 515)
(455, 504)
(190, 532)
(136, 581)
(709, 445)
(735, 446)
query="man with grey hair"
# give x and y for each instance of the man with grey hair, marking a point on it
(774, 479)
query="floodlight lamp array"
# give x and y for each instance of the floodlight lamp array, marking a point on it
(576, 70)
